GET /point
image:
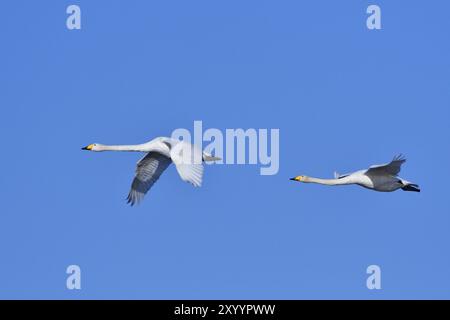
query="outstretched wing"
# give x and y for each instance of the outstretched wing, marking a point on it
(392, 168)
(188, 160)
(148, 171)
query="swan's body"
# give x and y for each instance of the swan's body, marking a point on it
(383, 178)
(161, 152)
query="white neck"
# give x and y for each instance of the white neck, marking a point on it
(136, 147)
(328, 182)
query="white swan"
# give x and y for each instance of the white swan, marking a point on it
(379, 178)
(161, 152)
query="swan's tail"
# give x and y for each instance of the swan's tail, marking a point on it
(411, 187)
(208, 157)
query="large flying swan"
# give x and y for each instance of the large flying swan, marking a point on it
(161, 152)
(382, 178)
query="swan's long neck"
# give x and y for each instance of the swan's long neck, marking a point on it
(136, 147)
(328, 182)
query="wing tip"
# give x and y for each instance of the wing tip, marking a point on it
(399, 157)
(129, 200)
(133, 199)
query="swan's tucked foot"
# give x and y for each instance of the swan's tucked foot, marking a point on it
(411, 187)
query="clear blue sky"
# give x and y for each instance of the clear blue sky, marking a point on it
(342, 96)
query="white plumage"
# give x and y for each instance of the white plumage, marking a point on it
(161, 152)
(383, 178)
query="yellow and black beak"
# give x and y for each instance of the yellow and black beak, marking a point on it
(296, 178)
(89, 147)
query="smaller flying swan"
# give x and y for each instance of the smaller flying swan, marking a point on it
(383, 178)
(160, 153)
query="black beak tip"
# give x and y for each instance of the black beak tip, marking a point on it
(293, 179)
(84, 148)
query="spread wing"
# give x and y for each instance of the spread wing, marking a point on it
(148, 171)
(392, 168)
(189, 162)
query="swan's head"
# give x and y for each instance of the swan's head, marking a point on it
(92, 147)
(300, 178)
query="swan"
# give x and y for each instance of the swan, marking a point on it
(160, 153)
(383, 178)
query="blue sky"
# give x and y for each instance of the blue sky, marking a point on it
(342, 96)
